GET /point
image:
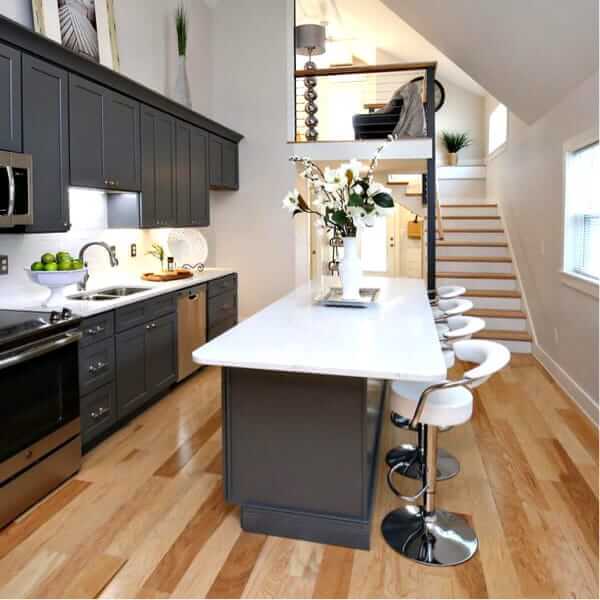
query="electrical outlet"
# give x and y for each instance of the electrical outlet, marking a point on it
(133, 250)
(3, 264)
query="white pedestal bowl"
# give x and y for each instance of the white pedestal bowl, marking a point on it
(56, 282)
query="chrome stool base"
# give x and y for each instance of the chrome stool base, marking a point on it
(447, 465)
(440, 539)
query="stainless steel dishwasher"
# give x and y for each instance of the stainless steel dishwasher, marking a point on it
(191, 327)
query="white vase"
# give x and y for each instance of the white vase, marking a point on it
(182, 84)
(351, 270)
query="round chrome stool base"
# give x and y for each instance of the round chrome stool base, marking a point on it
(447, 465)
(440, 539)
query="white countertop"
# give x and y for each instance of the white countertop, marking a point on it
(88, 308)
(394, 339)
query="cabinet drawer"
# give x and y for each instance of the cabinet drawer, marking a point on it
(218, 328)
(219, 286)
(97, 329)
(130, 316)
(157, 307)
(96, 365)
(222, 307)
(98, 412)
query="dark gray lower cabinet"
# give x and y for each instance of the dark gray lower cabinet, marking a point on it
(10, 99)
(222, 307)
(161, 353)
(224, 164)
(98, 412)
(46, 138)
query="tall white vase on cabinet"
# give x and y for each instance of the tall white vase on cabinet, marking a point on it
(351, 270)
(182, 84)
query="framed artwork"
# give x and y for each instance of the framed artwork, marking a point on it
(86, 27)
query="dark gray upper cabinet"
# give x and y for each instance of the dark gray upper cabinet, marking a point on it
(191, 182)
(104, 137)
(161, 353)
(10, 99)
(46, 138)
(158, 169)
(224, 169)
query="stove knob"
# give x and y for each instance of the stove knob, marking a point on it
(54, 317)
(66, 314)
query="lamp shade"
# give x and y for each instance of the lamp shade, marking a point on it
(310, 39)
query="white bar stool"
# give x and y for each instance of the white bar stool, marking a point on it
(451, 308)
(408, 460)
(447, 292)
(425, 533)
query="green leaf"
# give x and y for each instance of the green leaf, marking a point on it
(339, 217)
(383, 200)
(355, 200)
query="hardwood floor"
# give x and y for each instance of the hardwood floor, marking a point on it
(145, 516)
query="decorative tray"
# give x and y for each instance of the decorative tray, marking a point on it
(334, 298)
(168, 275)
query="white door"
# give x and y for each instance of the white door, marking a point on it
(378, 248)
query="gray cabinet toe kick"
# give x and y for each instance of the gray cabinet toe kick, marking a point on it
(300, 453)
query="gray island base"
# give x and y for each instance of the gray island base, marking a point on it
(300, 453)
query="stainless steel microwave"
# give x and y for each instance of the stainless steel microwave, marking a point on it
(16, 189)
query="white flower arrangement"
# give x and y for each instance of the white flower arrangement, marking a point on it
(342, 199)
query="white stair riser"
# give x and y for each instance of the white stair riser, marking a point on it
(462, 191)
(496, 303)
(506, 324)
(475, 211)
(516, 347)
(480, 284)
(473, 223)
(475, 267)
(473, 236)
(472, 251)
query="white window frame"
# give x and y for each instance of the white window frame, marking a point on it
(500, 149)
(569, 277)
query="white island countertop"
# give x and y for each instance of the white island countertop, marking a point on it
(396, 338)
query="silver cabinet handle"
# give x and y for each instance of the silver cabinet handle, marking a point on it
(95, 330)
(101, 411)
(35, 349)
(99, 366)
(153, 325)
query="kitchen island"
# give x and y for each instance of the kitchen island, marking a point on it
(303, 394)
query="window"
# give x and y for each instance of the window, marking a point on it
(497, 128)
(582, 209)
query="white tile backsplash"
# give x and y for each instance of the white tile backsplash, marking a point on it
(88, 214)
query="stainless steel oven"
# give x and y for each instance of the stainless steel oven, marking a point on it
(40, 444)
(16, 189)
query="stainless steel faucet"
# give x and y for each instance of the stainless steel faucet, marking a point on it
(112, 254)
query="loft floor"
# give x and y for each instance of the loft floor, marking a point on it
(145, 516)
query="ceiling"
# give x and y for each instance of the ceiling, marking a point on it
(371, 21)
(528, 54)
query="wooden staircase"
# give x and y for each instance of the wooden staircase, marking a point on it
(475, 254)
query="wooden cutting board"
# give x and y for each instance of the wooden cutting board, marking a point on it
(168, 275)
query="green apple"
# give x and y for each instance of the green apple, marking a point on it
(65, 264)
(76, 265)
(63, 256)
(48, 258)
(37, 266)
(51, 266)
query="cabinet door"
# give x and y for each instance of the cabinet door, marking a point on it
(161, 353)
(183, 167)
(165, 170)
(86, 132)
(122, 143)
(10, 99)
(131, 369)
(230, 165)
(46, 138)
(200, 201)
(148, 213)
(216, 161)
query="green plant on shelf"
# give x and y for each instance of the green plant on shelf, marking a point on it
(159, 253)
(455, 141)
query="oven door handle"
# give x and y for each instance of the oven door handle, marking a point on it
(36, 349)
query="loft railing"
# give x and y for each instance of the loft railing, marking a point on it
(350, 103)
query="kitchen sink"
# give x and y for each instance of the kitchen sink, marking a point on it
(108, 294)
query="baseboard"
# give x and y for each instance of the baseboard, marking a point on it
(573, 390)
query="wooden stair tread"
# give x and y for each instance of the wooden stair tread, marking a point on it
(470, 217)
(468, 275)
(501, 334)
(492, 293)
(399, 183)
(468, 205)
(455, 244)
(496, 313)
(483, 259)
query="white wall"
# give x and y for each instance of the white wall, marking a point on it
(18, 10)
(526, 179)
(256, 236)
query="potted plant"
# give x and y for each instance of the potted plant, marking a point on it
(454, 142)
(182, 84)
(344, 200)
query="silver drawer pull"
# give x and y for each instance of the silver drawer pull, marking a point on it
(99, 366)
(95, 330)
(99, 413)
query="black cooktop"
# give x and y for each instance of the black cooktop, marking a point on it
(19, 327)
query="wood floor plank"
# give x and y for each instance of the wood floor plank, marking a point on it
(335, 573)
(234, 574)
(90, 581)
